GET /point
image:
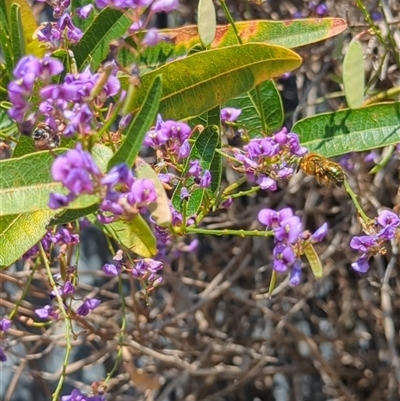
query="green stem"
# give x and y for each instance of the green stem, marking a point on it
(234, 186)
(22, 297)
(358, 207)
(231, 21)
(261, 110)
(248, 192)
(384, 161)
(382, 95)
(121, 334)
(370, 22)
(240, 233)
(68, 326)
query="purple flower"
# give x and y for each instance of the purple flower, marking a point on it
(47, 312)
(87, 306)
(267, 183)
(361, 264)
(288, 229)
(388, 218)
(143, 192)
(283, 257)
(85, 11)
(195, 168)
(271, 218)
(320, 234)
(363, 243)
(295, 273)
(147, 268)
(185, 195)
(76, 170)
(230, 114)
(114, 268)
(152, 37)
(205, 180)
(76, 395)
(65, 289)
(164, 5)
(3, 356)
(5, 324)
(321, 10)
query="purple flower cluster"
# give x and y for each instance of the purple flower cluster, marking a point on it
(290, 240)
(144, 269)
(52, 312)
(156, 5)
(125, 194)
(385, 228)
(122, 194)
(61, 33)
(59, 6)
(27, 73)
(202, 177)
(76, 395)
(266, 160)
(62, 237)
(63, 107)
(78, 172)
(171, 137)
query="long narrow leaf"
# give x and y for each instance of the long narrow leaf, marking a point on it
(139, 126)
(94, 46)
(333, 134)
(205, 80)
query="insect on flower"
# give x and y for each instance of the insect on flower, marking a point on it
(325, 171)
(45, 138)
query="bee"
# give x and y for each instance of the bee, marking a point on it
(325, 171)
(45, 138)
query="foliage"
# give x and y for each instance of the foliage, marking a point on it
(179, 97)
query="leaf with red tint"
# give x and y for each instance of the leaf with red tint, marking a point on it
(291, 33)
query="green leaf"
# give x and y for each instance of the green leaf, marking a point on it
(18, 233)
(272, 106)
(5, 45)
(208, 78)
(203, 149)
(73, 215)
(290, 34)
(206, 22)
(135, 235)
(333, 134)
(139, 126)
(354, 75)
(26, 182)
(29, 26)
(159, 210)
(314, 261)
(93, 48)
(17, 35)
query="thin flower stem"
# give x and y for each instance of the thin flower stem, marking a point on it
(358, 207)
(384, 161)
(248, 192)
(23, 295)
(68, 326)
(241, 233)
(121, 338)
(234, 186)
